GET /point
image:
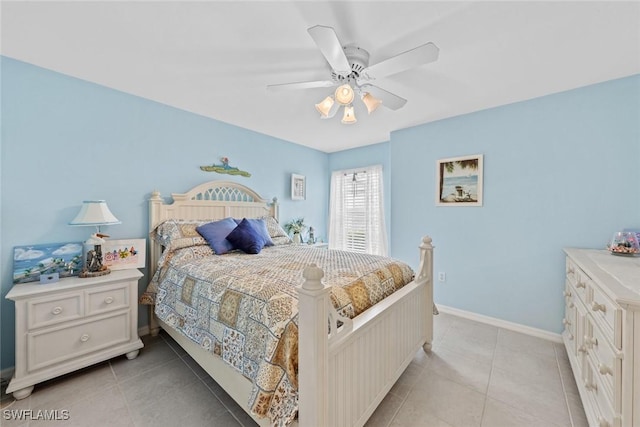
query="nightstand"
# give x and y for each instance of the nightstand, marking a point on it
(321, 245)
(71, 324)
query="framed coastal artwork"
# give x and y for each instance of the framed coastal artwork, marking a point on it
(124, 254)
(30, 262)
(459, 181)
(298, 187)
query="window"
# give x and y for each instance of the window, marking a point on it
(356, 212)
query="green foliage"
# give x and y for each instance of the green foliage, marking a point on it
(295, 226)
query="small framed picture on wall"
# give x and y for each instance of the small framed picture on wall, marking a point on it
(459, 181)
(298, 187)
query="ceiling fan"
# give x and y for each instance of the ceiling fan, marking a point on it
(351, 72)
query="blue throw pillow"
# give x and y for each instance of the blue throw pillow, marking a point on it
(260, 225)
(215, 233)
(246, 238)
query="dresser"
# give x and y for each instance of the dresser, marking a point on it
(602, 334)
(73, 323)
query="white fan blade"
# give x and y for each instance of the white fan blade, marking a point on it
(389, 100)
(403, 61)
(300, 85)
(327, 41)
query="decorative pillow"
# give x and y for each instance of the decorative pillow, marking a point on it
(175, 234)
(275, 231)
(215, 233)
(246, 238)
(260, 225)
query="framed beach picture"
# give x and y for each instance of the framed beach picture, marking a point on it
(63, 259)
(298, 187)
(124, 254)
(459, 181)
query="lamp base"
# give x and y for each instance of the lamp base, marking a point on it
(86, 273)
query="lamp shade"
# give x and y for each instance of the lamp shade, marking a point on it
(94, 212)
(371, 102)
(344, 94)
(349, 116)
(324, 106)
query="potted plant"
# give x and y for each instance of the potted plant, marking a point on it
(295, 227)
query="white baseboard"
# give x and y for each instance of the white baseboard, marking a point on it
(143, 330)
(516, 327)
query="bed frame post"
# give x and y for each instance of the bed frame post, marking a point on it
(313, 347)
(155, 202)
(425, 274)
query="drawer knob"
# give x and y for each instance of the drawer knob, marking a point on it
(56, 310)
(571, 305)
(567, 293)
(590, 386)
(603, 423)
(566, 322)
(590, 341)
(598, 307)
(84, 337)
(604, 369)
(581, 285)
(108, 300)
(582, 349)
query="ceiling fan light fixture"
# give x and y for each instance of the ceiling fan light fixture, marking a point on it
(344, 94)
(371, 102)
(349, 116)
(324, 106)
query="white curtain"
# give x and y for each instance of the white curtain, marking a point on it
(356, 211)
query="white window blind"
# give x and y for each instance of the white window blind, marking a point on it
(356, 217)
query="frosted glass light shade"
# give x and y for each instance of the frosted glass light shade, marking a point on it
(324, 106)
(349, 115)
(371, 102)
(344, 94)
(94, 212)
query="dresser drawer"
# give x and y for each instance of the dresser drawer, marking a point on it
(107, 298)
(608, 315)
(49, 311)
(578, 279)
(58, 344)
(607, 365)
(603, 412)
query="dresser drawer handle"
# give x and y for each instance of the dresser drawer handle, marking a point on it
(108, 300)
(603, 423)
(571, 305)
(567, 293)
(84, 337)
(566, 322)
(598, 307)
(590, 386)
(582, 349)
(590, 341)
(56, 310)
(581, 285)
(605, 370)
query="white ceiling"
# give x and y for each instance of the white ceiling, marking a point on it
(216, 58)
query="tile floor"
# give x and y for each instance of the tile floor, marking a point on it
(476, 376)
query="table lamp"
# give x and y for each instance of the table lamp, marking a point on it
(94, 213)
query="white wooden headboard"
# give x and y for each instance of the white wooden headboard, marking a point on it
(209, 201)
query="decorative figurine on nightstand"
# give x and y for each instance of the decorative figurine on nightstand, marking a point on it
(312, 239)
(95, 213)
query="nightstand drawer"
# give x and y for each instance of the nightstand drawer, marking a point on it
(47, 311)
(56, 345)
(107, 298)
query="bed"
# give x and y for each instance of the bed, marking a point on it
(349, 355)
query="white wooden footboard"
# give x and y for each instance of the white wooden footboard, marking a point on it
(345, 375)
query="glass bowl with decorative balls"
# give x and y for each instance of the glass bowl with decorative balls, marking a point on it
(624, 243)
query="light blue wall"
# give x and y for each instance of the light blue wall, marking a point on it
(65, 140)
(560, 170)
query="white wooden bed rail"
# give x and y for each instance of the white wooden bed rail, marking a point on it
(343, 375)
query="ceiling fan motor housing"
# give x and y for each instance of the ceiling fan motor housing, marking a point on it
(358, 59)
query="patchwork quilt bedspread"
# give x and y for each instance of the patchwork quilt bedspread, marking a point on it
(243, 308)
